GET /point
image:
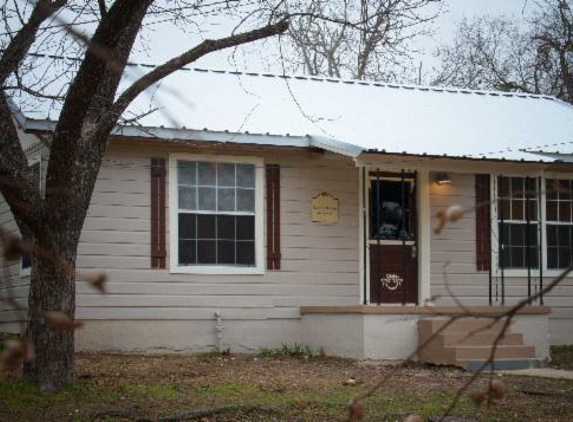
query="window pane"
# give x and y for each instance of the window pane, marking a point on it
(187, 226)
(226, 252)
(530, 188)
(246, 200)
(563, 236)
(186, 173)
(503, 187)
(517, 210)
(550, 190)
(207, 174)
(187, 252)
(226, 199)
(552, 258)
(207, 199)
(551, 210)
(226, 227)
(206, 252)
(565, 211)
(245, 175)
(514, 237)
(246, 253)
(565, 189)
(517, 260)
(533, 257)
(245, 228)
(517, 187)
(206, 226)
(532, 210)
(226, 175)
(504, 209)
(187, 198)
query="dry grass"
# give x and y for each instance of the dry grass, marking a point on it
(278, 388)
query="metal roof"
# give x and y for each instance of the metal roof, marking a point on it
(345, 116)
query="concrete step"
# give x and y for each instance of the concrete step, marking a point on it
(502, 364)
(464, 325)
(483, 352)
(480, 339)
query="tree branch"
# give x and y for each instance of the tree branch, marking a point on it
(15, 179)
(21, 43)
(206, 47)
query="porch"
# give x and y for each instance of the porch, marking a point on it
(394, 333)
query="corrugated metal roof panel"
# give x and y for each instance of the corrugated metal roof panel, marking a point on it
(363, 115)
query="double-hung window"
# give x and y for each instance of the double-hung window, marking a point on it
(533, 223)
(559, 226)
(216, 220)
(517, 222)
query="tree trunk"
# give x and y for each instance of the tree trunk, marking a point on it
(52, 288)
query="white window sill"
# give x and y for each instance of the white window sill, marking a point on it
(216, 270)
(25, 272)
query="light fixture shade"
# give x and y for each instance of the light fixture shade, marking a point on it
(442, 178)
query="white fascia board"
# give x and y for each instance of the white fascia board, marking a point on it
(566, 158)
(190, 134)
(17, 113)
(336, 146)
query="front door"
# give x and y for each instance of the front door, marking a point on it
(393, 238)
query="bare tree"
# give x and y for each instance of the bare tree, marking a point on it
(377, 46)
(497, 53)
(90, 108)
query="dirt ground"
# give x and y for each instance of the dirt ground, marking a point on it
(129, 387)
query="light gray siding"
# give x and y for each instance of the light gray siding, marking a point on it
(11, 283)
(453, 264)
(319, 263)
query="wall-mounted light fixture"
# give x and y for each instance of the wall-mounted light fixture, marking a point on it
(442, 178)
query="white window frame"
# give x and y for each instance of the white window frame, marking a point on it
(174, 266)
(32, 160)
(511, 272)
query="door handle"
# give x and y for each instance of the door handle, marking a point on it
(414, 251)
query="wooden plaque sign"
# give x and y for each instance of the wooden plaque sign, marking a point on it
(324, 208)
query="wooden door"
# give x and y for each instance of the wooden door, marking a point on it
(393, 274)
(393, 260)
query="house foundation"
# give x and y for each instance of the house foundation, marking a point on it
(395, 333)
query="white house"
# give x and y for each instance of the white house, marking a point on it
(252, 210)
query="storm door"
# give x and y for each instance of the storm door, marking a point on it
(392, 227)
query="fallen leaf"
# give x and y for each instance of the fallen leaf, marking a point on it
(96, 280)
(60, 322)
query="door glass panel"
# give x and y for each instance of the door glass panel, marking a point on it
(390, 210)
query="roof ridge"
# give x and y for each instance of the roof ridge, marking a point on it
(372, 83)
(426, 88)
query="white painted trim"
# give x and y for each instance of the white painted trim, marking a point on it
(424, 237)
(334, 145)
(423, 229)
(541, 209)
(185, 134)
(259, 267)
(361, 247)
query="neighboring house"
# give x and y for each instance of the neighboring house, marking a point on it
(252, 210)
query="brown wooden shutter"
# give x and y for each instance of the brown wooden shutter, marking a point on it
(483, 222)
(273, 178)
(158, 252)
